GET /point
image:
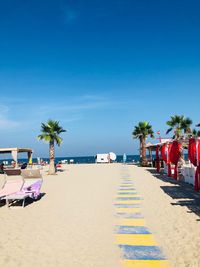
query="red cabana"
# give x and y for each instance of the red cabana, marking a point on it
(174, 156)
(194, 157)
(157, 158)
(163, 152)
(168, 160)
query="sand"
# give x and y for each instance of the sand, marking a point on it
(172, 212)
(73, 223)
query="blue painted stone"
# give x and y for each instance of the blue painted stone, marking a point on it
(127, 193)
(128, 198)
(132, 230)
(142, 252)
(127, 205)
(127, 188)
(135, 215)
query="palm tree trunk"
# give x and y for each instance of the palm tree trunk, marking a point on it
(140, 150)
(52, 158)
(144, 158)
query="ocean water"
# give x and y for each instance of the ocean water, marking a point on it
(81, 160)
(91, 159)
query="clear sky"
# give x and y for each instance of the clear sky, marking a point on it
(97, 66)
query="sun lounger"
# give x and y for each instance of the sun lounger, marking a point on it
(10, 199)
(2, 180)
(31, 174)
(11, 172)
(12, 185)
(20, 187)
(33, 182)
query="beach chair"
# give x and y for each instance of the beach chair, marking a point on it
(2, 180)
(11, 172)
(32, 182)
(21, 187)
(12, 185)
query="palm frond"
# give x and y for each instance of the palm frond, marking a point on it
(50, 132)
(169, 130)
(143, 129)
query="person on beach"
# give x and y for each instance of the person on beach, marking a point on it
(2, 168)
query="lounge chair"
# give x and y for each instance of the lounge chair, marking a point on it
(22, 186)
(2, 180)
(12, 185)
(11, 172)
(32, 182)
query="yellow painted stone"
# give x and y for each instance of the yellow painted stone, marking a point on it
(125, 196)
(126, 185)
(126, 191)
(135, 239)
(128, 210)
(128, 202)
(130, 222)
(145, 263)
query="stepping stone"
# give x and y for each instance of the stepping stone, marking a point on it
(132, 230)
(130, 222)
(127, 193)
(129, 215)
(128, 202)
(127, 205)
(145, 263)
(127, 189)
(128, 210)
(142, 252)
(128, 198)
(126, 185)
(135, 239)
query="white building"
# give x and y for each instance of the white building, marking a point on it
(105, 158)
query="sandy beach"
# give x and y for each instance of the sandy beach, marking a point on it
(172, 213)
(73, 223)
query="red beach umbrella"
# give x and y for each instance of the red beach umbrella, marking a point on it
(163, 153)
(194, 157)
(192, 152)
(174, 156)
(157, 158)
(168, 159)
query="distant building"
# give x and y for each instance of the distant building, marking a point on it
(105, 158)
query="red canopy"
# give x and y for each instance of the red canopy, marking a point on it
(194, 157)
(157, 158)
(168, 159)
(192, 152)
(163, 152)
(174, 156)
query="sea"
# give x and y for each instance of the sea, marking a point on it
(81, 160)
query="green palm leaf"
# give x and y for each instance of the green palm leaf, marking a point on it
(179, 124)
(141, 132)
(50, 132)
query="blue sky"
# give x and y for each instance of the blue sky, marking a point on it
(99, 67)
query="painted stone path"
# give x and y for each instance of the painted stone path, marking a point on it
(136, 242)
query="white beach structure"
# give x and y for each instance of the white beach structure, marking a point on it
(106, 157)
(15, 151)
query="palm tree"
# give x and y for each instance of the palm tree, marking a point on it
(141, 132)
(50, 132)
(179, 124)
(195, 133)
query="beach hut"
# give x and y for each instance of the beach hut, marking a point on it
(15, 151)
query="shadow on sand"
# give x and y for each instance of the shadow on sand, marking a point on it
(28, 201)
(183, 193)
